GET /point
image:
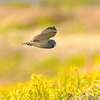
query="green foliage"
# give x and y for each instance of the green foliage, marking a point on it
(19, 26)
(63, 89)
(9, 63)
(13, 63)
(46, 20)
(17, 4)
(96, 58)
(57, 13)
(70, 3)
(78, 60)
(40, 21)
(49, 62)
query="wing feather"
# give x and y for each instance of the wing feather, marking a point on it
(45, 34)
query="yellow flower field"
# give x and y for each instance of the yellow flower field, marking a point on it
(85, 87)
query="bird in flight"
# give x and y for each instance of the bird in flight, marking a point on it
(43, 40)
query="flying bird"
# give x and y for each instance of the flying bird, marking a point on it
(43, 40)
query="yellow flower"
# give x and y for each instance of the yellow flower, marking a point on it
(73, 68)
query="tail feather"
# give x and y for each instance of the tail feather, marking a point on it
(27, 43)
(23, 44)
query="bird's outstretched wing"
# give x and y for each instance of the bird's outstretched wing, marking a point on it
(45, 34)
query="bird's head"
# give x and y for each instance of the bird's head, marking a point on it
(51, 43)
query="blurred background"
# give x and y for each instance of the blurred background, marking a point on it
(78, 38)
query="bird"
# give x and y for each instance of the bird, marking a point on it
(43, 40)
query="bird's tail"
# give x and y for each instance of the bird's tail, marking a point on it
(27, 43)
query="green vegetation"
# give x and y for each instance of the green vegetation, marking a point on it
(50, 66)
(16, 4)
(69, 3)
(67, 14)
